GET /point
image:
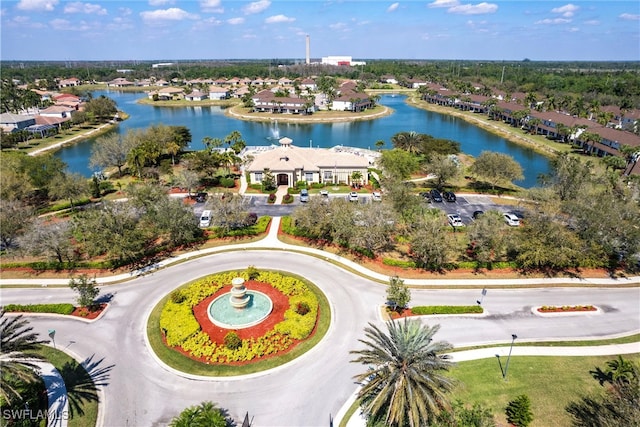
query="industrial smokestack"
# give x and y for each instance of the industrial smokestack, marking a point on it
(308, 50)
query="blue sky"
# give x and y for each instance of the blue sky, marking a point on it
(216, 29)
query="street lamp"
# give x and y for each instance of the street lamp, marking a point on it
(506, 368)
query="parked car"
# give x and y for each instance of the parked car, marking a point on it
(324, 193)
(353, 196)
(435, 196)
(511, 219)
(201, 197)
(376, 196)
(477, 214)
(205, 219)
(449, 196)
(304, 195)
(455, 220)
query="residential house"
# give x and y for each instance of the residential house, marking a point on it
(290, 164)
(120, 82)
(218, 93)
(265, 101)
(10, 122)
(196, 95)
(71, 82)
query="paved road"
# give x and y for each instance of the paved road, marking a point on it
(142, 392)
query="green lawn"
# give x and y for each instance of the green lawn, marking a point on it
(81, 389)
(550, 382)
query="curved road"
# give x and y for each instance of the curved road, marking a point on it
(306, 391)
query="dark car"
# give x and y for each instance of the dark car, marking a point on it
(435, 196)
(449, 196)
(201, 197)
(477, 214)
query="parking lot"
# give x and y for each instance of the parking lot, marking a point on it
(464, 205)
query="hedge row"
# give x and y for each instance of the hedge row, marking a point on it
(256, 229)
(40, 308)
(57, 266)
(446, 309)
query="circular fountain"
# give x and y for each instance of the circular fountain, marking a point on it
(239, 308)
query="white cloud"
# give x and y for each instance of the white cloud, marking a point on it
(338, 26)
(37, 5)
(235, 21)
(474, 9)
(213, 6)
(556, 21)
(393, 7)
(276, 19)
(60, 24)
(88, 8)
(592, 22)
(155, 3)
(568, 10)
(629, 17)
(256, 7)
(171, 14)
(444, 3)
(125, 11)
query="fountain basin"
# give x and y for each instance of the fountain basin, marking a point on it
(223, 314)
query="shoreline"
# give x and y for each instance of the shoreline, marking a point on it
(290, 118)
(232, 112)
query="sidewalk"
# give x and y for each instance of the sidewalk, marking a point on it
(58, 410)
(357, 420)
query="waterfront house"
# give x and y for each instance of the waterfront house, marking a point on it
(290, 164)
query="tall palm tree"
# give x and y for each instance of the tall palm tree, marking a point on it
(18, 347)
(404, 384)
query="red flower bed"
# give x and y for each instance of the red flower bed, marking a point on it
(565, 308)
(90, 313)
(216, 333)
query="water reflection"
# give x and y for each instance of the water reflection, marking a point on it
(212, 122)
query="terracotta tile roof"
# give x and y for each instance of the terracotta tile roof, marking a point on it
(287, 158)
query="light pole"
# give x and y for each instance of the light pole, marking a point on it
(506, 368)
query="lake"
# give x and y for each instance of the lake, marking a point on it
(212, 122)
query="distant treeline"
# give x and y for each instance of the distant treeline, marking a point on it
(607, 81)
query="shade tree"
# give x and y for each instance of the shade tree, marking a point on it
(496, 168)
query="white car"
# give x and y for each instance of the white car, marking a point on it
(511, 219)
(376, 196)
(205, 219)
(324, 193)
(455, 220)
(353, 196)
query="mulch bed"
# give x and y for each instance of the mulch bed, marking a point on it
(571, 309)
(89, 313)
(217, 334)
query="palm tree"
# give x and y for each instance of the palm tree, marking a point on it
(404, 384)
(18, 346)
(206, 414)
(408, 141)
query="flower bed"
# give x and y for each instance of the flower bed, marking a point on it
(62, 309)
(186, 327)
(565, 308)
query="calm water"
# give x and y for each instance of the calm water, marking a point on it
(211, 121)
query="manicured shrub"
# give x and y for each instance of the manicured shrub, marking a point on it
(232, 341)
(271, 198)
(40, 308)
(398, 263)
(177, 297)
(227, 182)
(446, 309)
(518, 411)
(288, 198)
(302, 308)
